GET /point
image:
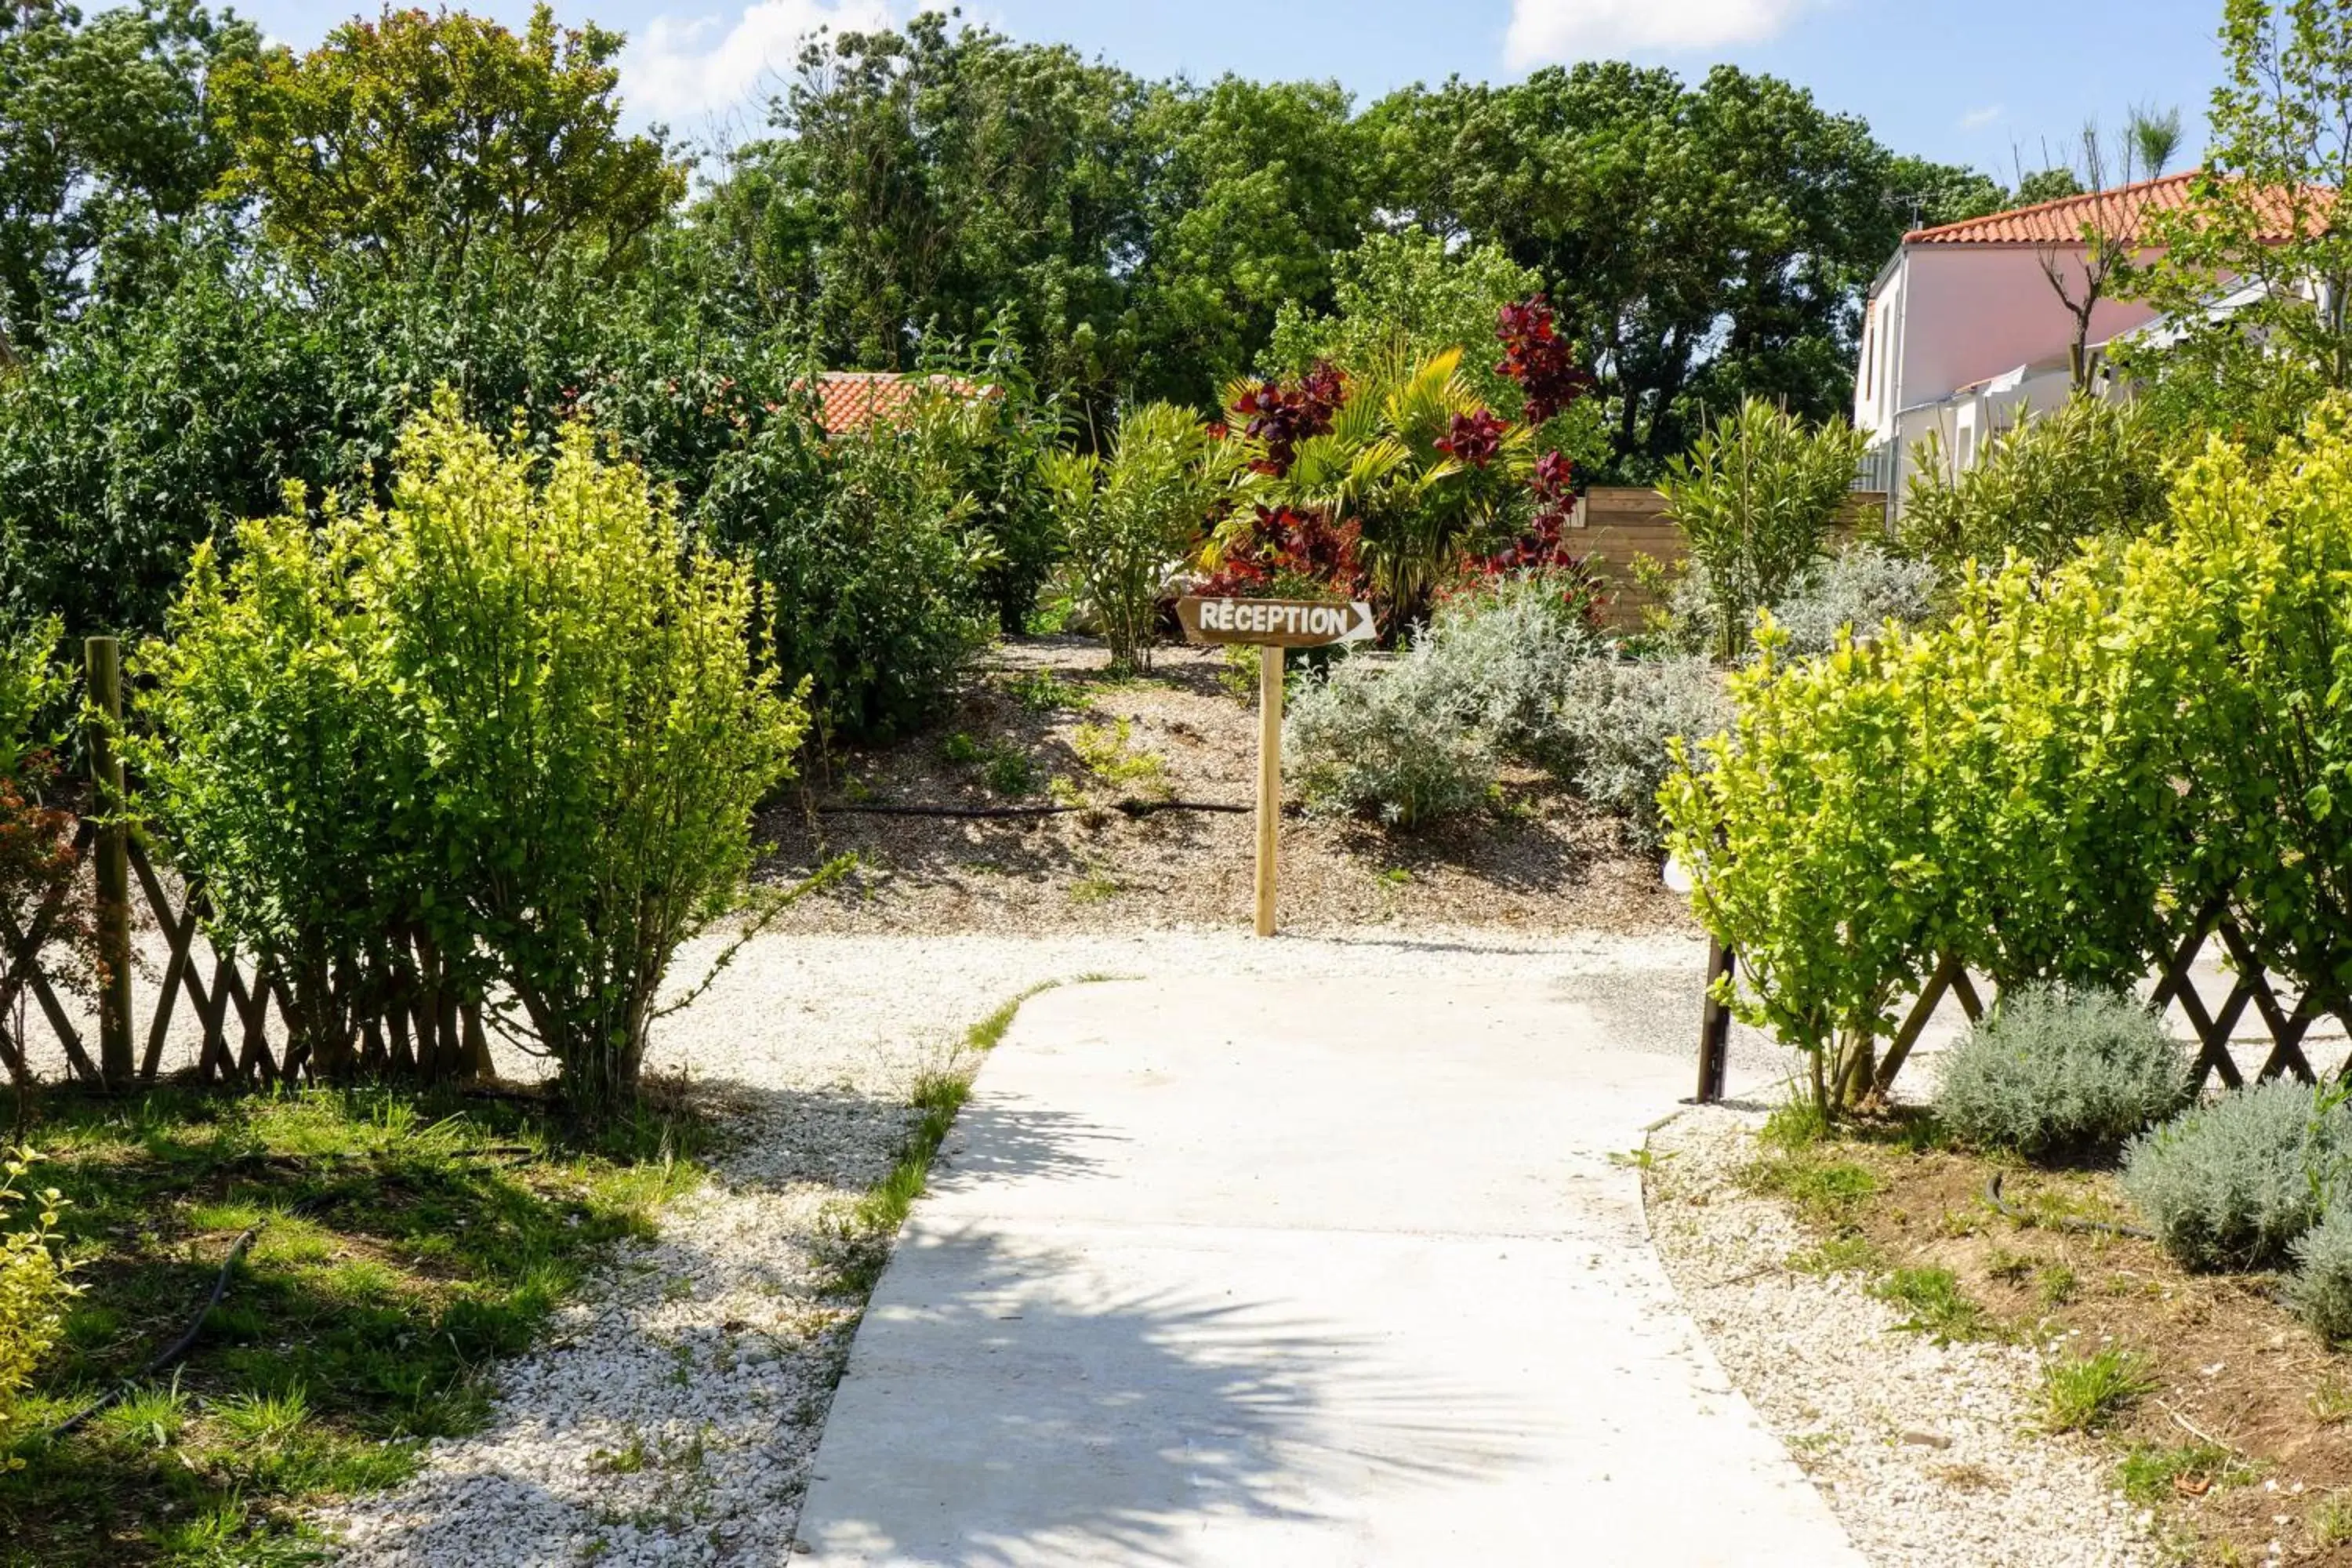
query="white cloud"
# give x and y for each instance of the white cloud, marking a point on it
(685, 68)
(1978, 119)
(1544, 31)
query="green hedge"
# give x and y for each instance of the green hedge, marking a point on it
(2049, 786)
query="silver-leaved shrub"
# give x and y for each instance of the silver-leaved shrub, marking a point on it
(2233, 1183)
(2054, 1072)
(2320, 1292)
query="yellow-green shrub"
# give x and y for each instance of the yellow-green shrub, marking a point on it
(2266, 682)
(2001, 789)
(515, 711)
(1811, 829)
(33, 1290)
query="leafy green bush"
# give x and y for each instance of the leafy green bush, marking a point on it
(2231, 1185)
(2052, 1072)
(586, 832)
(2251, 585)
(275, 761)
(34, 1290)
(514, 714)
(1407, 294)
(875, 570)
(1397, 740)
(160, 419)
(31, 686)
(2087, 469)
(2320, 1291)
(989, 446)
(1130, 517)
(2001, 789)
(1757, 496)
(1810, 830)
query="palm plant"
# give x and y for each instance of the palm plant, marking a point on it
(1415, 459)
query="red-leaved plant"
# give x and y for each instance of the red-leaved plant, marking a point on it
(1473, 439)
(1282, 551)
(1542, 548)
(1281, 417)
(1542, 360)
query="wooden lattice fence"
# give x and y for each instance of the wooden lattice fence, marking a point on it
(2286, 1029)
(242, 1014)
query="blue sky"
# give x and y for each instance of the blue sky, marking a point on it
(1980, 83)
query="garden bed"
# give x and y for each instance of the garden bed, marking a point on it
(2221, 1418)
(1034, 714)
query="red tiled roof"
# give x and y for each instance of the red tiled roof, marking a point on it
(2117, 213)
(853, 399)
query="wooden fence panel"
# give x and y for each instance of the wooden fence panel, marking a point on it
(1614, 526)
(2214, 1030)
(241, 1015)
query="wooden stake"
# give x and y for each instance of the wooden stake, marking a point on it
(1269, 779)
(103, 658)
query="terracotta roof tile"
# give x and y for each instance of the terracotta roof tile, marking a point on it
(2119, 212)
(853, 399)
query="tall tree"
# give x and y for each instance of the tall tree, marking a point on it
(1256, 186)
(1704, 244)
(2263, 210)
(408, 140)
(939, 181)
(105, 129)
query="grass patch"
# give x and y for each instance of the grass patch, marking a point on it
(1837, 1254)
(410, 1239)
(2331, 1400)
(2091, 1393)
(1096, 886)
(1042, 692)
(1825, 1190)
(2154, 1473)
(1938, 1305)
(1005, 769)
(860, 1235)
(2331, 1521)
(1795, 1125)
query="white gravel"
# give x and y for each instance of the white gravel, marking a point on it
(1927, 1453)
(674, 1417)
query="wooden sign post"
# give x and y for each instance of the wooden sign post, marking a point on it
(1271, 626)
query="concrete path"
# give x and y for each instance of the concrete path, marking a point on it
(1300, 1274)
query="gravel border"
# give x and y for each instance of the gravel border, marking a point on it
(1927, 1453)
(673, 1416)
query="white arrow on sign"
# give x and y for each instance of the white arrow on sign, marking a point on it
(1363, 631)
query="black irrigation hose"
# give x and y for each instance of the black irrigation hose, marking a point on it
(1129, 807)
(2063, 1222)
(169, 1356)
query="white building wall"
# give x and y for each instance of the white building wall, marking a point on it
(1975, 311)
(1945, 317)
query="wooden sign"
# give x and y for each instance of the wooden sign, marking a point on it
(1276, 622)
(1272, 625)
